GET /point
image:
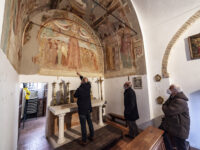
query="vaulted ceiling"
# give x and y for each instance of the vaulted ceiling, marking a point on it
(104, 16)
(114, 22)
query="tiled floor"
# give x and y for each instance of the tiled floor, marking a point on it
(32, 137)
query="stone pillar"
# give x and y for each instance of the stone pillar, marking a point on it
(100, 116)
(61, 137)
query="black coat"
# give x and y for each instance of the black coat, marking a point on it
(131, 110)
(84, 99)
(177, 119)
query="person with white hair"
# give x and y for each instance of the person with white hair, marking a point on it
(176, 122)
(131, 111)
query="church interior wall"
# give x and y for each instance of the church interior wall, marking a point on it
(114, 95)
(184, 70)
(9, 104)
(9, 97)
(60, 46)
(185, 73)
(158, 26)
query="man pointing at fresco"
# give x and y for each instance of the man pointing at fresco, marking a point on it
(84, 108)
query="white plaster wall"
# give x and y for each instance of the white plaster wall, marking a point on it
(194, 105)
(74, 84)
(114, 95)
(159, 21)
(9, 103)
(9, 98)
(184, 71)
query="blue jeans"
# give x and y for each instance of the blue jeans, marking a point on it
(83, 119)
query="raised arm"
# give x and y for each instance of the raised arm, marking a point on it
(81, 77)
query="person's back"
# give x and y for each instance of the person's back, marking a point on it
(131, 110)
(84, 99)
(84, 108)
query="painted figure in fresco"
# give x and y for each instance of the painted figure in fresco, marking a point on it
(110, 58)
(93, 58)
(73, 55)
(64, 48)
(51, 55)
(64, 54)
(126, 51)
(59, 54)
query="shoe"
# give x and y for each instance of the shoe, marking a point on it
(91, 138)
(128, 136)
(83, 143)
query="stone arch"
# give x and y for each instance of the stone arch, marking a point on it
(174, 39)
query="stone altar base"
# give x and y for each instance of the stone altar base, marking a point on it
(71, 120)
(104, 138)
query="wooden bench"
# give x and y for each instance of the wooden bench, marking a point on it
(124, 129)
(116, 116)
(150, 139)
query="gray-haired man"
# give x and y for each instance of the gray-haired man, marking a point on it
(131, 110)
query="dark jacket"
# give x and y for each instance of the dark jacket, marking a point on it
(177, 119)
(131, 110)
(84, 99)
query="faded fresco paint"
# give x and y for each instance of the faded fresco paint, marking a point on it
(5, 39)
(66, 45)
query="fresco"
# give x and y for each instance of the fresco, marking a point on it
(112, 54)
(123, 54)
(15, 17)
(5, 37)
(126, 51)
(66, 45)
(78, 48)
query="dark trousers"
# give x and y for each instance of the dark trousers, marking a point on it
(167, 141)
(133, 129)
(83, 119)
(179, 143)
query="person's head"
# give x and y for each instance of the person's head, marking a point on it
(24, 85)
(173, 90)
(127, 85)
(84, 80)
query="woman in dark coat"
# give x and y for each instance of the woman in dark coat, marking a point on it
(177, 119)
(131, 110)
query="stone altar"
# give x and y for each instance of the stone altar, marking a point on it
(62, 110)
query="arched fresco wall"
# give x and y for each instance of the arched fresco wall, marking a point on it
(60, 43)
